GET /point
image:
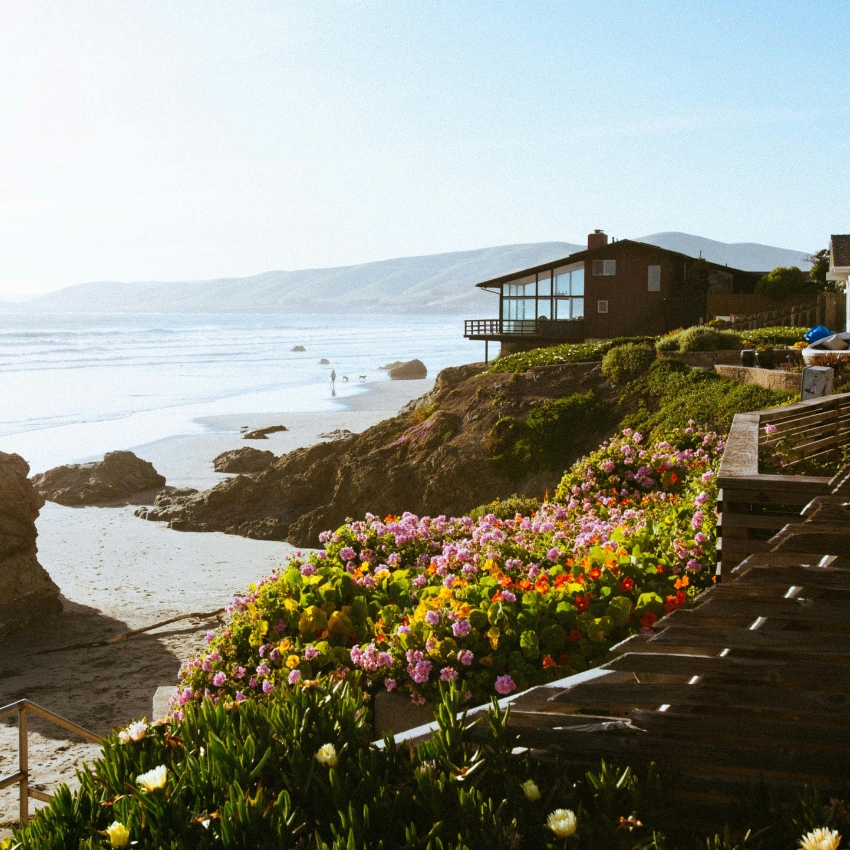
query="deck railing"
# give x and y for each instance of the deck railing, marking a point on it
(500, 327)
(753, 505)
(22, 778)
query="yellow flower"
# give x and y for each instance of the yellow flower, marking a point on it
(292, 661)
(327, 755)
(820, 839)
(382, 574)
(153, 779)
(119, 835)
(530, 789)
(562, 822)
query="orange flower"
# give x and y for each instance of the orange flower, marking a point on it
(595, 573)
(542, 585)
(582, 603)
(548, 662)
(684, 581)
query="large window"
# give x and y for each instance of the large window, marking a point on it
(550, 294)
(653, 278)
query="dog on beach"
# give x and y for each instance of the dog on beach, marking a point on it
(345, 379)
(362, 378)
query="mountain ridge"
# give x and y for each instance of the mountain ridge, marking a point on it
(441, 283)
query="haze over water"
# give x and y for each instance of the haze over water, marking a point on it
(75, 386)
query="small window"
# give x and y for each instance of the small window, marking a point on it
(606, 268)
(654, 279)
(601, 306)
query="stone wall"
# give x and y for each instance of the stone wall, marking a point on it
(773, 379)
(27, 592)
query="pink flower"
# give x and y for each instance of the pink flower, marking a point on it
(432, 618)
(240, 697)
(268, 687)
(308, 570)
(465, 656)
(219, 679)
(461, 628)
(294, 676)
(311, 652)
(239, 673)
(252, 682)
(347, 554)
(553, 554)
(389, 684)
(448, 674)
(507, 596)
(263, 669)
(505, 684)
(696, 522)
(770, 428)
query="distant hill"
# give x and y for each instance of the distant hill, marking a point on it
(442, 283)
(747, 256)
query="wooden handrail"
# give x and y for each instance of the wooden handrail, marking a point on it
(754, 506)
(22, 708)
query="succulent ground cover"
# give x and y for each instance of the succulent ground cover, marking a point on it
(492, 604)
(299, 770)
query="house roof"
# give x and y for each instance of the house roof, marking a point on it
(589, 252)
(839, 251)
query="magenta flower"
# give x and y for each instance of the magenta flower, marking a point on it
(263, 669)
(696, 522)
(432, 618)
(507, 596)
(253, 683)
(448, 674)
(505, 684)
(311, 652)
(347, 554)
(770, 428)
(268, 687)
(389, 684)
(294, 676)
(465, 656)
(219, 679)
(461, 628)
(553, 554)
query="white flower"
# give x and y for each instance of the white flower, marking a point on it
(119, 835)
(562, 822)
(530, 789)
(327, 755)
(153, 779)
(820, 839)
(123, 737)
(137, 730)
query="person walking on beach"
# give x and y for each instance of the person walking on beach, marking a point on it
(333, 379)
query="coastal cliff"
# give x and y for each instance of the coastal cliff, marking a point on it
(474, 438)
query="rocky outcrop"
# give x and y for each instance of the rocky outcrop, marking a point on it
(413, 370)
(431, 459)
(245, 461)
(118, 476)
(27, 592)
(298, 348)
(165, 501)
(324, 362)
(336, 434)
(394, 365)
(263, 433)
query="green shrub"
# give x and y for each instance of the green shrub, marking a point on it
(773, 336)
(627, 362)
(581, 352)
(700, 338)
(782, 283)
(507, 508)
(671, 395)
(549, 435)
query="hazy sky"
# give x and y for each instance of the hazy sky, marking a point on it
(185, 140)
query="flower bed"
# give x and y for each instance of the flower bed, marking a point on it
(494, 605)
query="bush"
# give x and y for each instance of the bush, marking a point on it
(627, 362)
(775, 336)
(700, 338)
(782, 283)
(582, 352)
(508, 508)
(550, 433)
(672, 395)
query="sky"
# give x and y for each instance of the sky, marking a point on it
(187, 140)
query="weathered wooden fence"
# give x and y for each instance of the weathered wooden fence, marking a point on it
(827, 309)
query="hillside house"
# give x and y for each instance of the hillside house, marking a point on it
(839, 267)
(611, 289)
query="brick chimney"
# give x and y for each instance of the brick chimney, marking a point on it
(597, 239)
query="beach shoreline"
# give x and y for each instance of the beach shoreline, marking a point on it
(118, 573)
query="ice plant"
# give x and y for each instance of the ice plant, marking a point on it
(153, 779)
(326, 755)
(118, 834)
(562, 822)
(531, 791)
(821, 839)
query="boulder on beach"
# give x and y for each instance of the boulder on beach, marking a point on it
(165, 500)
(324, 362)
(27, 593)
(390, 366)
(411, 371)
(298, 348)
(337, 434)
(246, 461)
(118, 476)
(263, 433)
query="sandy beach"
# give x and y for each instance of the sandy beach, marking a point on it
(119, 573)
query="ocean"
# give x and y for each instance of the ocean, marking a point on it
(75, 386)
